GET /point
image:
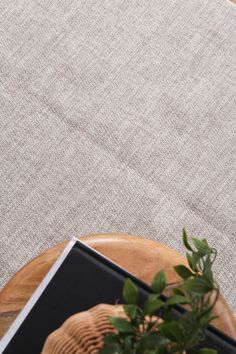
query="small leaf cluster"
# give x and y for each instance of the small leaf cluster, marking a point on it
(143, 332)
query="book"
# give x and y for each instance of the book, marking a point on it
(80, 279)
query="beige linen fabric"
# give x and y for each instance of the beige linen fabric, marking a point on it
(117, 116)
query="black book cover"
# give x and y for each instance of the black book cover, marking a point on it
(80, 279)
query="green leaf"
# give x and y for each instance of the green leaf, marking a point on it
(172, 331)
(110, 350)
(207, 351)
(168, 314)
(207, 269)
(201, 246)
(183, 271)
(197, 256)
(128, 343)
(111, 345)
(111, 339)
(152, 305)
(192, 262)
(122, 325)
(139, 335)
(152, 341)
(131, 310)
(159, 282)
(130, 292)
(177, 291)
(153, 296)
(198, 285)
(177, 299)
(205, 319)
(185, 241)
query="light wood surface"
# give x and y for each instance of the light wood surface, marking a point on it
(140, 256)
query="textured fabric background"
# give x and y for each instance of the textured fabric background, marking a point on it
(117, 116)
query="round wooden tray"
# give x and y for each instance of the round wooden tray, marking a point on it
(140, 256)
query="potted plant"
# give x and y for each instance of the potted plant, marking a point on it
(148, 328)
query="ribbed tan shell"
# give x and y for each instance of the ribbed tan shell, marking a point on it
(83, 333)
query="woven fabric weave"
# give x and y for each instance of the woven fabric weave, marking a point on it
(117, 116)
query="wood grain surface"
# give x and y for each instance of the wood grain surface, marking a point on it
(140, 256)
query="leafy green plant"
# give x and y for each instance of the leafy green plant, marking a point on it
(143, 332)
